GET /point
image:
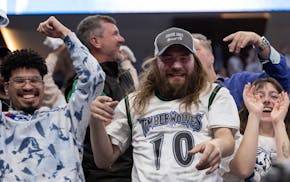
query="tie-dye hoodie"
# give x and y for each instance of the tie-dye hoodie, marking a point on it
(48, 145)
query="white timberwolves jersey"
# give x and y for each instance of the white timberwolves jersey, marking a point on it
(162, 136)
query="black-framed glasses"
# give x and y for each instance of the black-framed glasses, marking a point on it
(19, 82)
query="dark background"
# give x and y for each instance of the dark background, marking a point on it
(139, 30)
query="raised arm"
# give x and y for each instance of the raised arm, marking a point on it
(243, 163)
(90, 76)
(53, 28)
(273, 63)
(242, 39)
(278, 115)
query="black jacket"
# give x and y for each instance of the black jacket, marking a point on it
(118, 83)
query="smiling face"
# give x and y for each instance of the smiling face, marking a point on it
(25, 89)
(110, 41)
(175, 65)
(269, 96)
(175, 72)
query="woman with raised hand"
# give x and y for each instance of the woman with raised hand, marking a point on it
(264, 127)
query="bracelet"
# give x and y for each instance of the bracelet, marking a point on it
(264, 45)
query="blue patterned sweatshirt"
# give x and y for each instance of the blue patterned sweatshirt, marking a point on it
(48, 145)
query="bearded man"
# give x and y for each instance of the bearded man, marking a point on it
(175, 135)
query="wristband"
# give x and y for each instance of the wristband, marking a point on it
(264, 45)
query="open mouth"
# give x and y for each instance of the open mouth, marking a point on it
(28, 96)
(267, 109)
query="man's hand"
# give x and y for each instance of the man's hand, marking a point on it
(53, 28)
(241, 39)
(102, 109)
(211, 156)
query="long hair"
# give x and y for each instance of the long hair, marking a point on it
(150, 80)
(244, 113)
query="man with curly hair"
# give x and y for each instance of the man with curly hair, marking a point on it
(38, 143)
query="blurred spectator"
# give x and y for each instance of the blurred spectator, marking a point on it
(234, 65)
(127, 61)
(3, 96)
(58, 61)
(253, 64)
(280, 172)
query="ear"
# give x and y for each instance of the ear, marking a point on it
(211, 57)
(95, 42)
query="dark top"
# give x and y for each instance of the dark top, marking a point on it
(118, 83)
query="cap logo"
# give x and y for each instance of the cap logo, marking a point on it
(174, 36)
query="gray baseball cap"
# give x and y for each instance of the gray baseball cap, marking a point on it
(173, 36)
